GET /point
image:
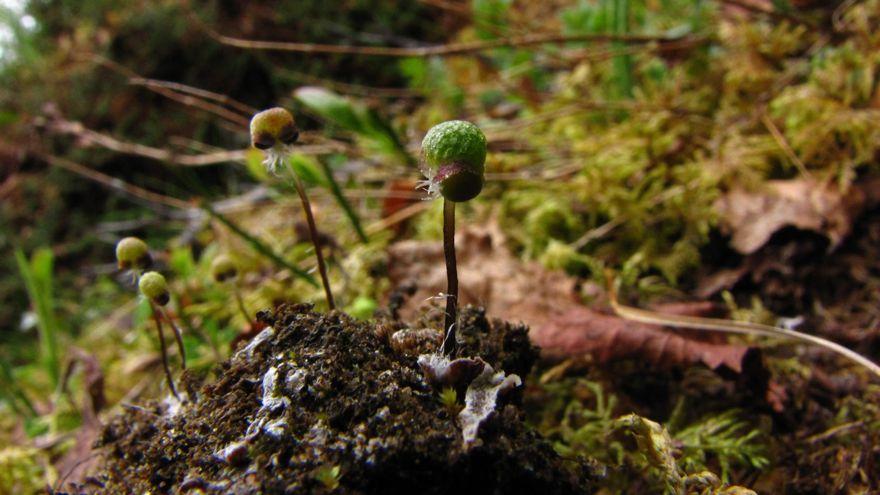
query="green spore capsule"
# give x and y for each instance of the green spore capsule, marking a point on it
(153, 286)
(132, 254)
(224, 268)
(454, 155)
(273, 131)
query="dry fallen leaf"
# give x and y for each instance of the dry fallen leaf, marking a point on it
(489, 276)
(788, 265)
(752, 217)
(608, 338)
(547, 301)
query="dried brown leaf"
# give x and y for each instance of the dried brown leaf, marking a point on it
(547, 301)
(752, 217)
(489, 276)
(609, 338)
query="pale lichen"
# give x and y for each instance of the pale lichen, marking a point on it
(481, 399)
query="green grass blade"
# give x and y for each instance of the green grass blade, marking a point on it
(623, 64)
(13, 394)
(37, 277)
(353, 116)
(260, 246)
(343, 202)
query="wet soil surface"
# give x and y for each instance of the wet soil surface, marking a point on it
(321, 403)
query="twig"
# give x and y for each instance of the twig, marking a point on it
(90, 137)
(191, 90)
(351, 89)
(590, 106)
(456, 8)
(193, 101)
(397, 217)
(769, 11)
(597, 233)
(825, 435)
(115, 183)
(783, 143)
(436, 50)
(730, 326)
(181, 93)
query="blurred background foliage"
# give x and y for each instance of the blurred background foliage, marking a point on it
(602, 154)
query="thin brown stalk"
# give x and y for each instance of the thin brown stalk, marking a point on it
(115, 183)
(195, 102)
(313, 233)
(158, 320)
(178, 336)
(181, 93)
(770, 11)
(451, 320)
(580, 55)
(198, 92)
(446, 50)
(88, 137)
(352, 89)
(783, 144)
(397, 217)
(456, 8)
(732, 326)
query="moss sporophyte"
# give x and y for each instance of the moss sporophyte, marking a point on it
(274, 131)
(224, 270)
(454, 157)
(133, 254)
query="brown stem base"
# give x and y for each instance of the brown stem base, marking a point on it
(451, 320)
(158, 319)
(313, 233)
(178, 336)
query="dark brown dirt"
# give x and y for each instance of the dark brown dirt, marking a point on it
(350, 414)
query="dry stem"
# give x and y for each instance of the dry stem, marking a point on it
(158, 320)
(451, 277)
(313, 233)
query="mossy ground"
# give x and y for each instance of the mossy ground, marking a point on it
(350, 414)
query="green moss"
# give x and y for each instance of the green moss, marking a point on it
(24, 471)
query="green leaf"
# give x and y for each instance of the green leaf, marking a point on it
(371, 128)
(12, 393)
(331, 107)
(254, 164)
(37, 277)
(308, 169)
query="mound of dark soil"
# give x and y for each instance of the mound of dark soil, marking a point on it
(320, 403)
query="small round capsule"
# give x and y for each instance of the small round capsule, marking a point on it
(273, 127)
(132, 254)
(153, 286)
(455, 155)
(223, 268)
